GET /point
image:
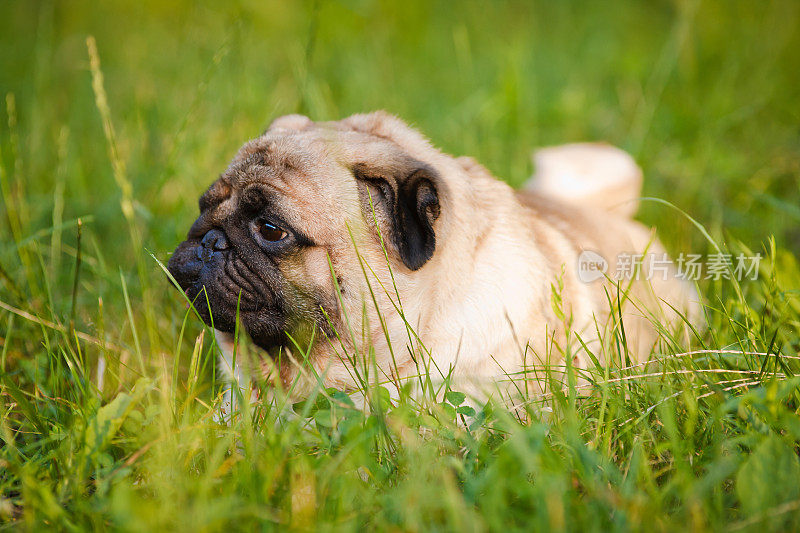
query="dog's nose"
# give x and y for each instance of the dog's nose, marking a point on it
(213, 241)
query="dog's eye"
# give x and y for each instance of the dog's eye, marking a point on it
(271, 232)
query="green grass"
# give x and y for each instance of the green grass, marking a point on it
(704, 94)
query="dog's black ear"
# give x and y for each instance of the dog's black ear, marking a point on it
(405, 203)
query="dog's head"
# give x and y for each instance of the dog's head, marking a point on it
(276, 232)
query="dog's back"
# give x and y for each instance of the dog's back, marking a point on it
(586, 195)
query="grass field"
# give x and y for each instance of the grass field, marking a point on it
(107, 384)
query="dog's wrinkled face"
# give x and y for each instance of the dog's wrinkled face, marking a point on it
(287, 209)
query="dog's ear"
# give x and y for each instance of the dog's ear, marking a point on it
(387, 126)
(290, 122)
(404, 200)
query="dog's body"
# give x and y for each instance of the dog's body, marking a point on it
(466, 277)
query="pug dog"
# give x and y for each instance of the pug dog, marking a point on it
(354, 250)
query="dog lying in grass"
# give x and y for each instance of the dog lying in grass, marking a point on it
(355, 251)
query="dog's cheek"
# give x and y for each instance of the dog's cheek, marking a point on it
(316, 269)
(309, 273)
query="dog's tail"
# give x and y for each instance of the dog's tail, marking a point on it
(588, 174)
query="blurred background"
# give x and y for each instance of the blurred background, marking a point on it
(703, 94)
